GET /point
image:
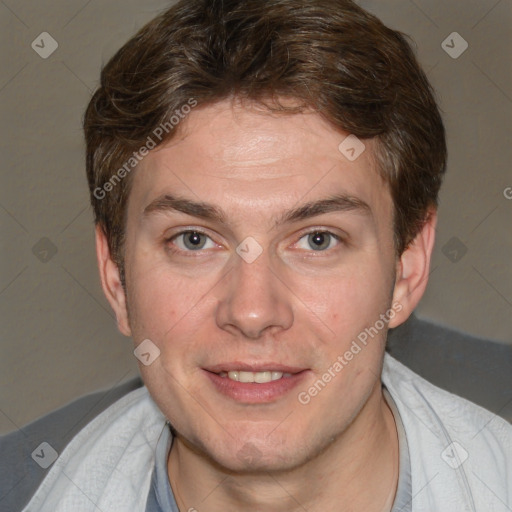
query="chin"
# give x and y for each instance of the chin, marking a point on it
(250, 460)
(252, 454)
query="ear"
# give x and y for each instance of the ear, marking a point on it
(111, 282)
(413, 270)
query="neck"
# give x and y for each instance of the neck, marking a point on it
(358, 472)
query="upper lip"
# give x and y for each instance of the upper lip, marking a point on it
(253, 367)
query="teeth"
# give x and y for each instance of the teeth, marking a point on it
(258, 377)
(248, 376)
(263, 377)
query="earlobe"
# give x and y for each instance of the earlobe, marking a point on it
(413, 270)
(111, 281)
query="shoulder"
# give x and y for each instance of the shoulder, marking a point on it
(474, 368)
(458, 449)
(20, 474)
(422, 396)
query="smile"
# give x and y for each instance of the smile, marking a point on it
(258, 377)
(255, 383)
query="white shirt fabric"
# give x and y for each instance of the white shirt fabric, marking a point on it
(460, 453)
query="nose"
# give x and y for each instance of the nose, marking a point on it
(254, 300)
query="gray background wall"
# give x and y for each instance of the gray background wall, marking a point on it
(58, 335)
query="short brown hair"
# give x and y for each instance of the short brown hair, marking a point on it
(329, 55)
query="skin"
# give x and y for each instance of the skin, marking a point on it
(294, 304)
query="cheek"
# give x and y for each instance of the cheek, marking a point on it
(353, 297)
(161, 301)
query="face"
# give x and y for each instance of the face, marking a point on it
(255, 250)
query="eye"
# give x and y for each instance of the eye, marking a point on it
(319, 241)
(192, 241)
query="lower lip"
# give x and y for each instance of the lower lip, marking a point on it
(254, 393)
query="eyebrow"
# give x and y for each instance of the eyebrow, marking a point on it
(335, 203)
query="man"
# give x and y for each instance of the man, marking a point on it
(264, 177)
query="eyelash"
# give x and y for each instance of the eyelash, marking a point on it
(169, 240)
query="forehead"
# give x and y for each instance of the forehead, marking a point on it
(247, 157)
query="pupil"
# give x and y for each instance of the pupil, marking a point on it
(194, 239)
(320, 240)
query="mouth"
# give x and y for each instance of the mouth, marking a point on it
(258, 377)
(253, 384)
